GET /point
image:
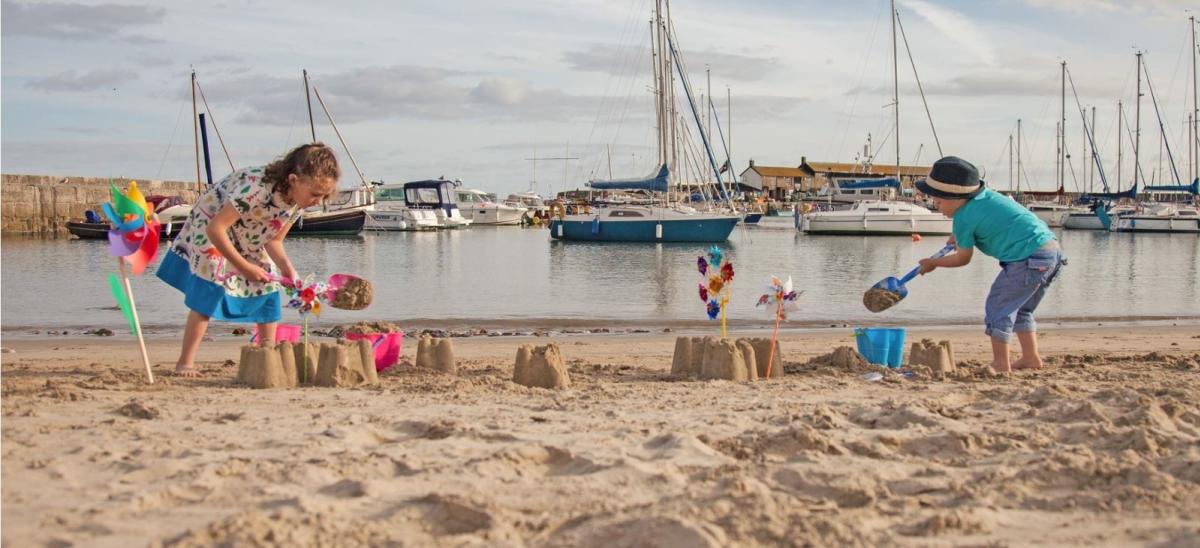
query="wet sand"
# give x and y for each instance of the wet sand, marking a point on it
(1100, 448)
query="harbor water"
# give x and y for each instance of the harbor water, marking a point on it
(483, 276)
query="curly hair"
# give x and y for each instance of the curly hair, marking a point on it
(311, 160)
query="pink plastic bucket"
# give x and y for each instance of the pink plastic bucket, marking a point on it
(283, 332)
(386, 345)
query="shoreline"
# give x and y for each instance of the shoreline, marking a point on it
(464, 328)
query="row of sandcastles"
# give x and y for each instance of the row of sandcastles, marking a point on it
(352, 363)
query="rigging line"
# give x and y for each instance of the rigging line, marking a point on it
(339, 135)
(1088, 132)
(687, 88)
(1137, 165)
(920, 88)
(213, 119)
(862, 71)
(1162, 128)
(171, 141)
(619, 64)
(287, 144)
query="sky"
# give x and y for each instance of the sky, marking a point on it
(473, 89)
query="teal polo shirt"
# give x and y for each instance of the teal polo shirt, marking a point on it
(999, 227)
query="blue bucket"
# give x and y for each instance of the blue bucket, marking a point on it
(881, 345)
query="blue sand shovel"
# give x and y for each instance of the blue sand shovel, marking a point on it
(877, 302)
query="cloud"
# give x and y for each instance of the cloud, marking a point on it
(619, 61)
(70, 20)
(955, 26)
(404, 91)
(88, 81)
(1157, 8)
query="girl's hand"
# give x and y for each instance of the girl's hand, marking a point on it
(927, 266)
(254, 273)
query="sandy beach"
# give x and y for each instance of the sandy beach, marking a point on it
(1102, 448)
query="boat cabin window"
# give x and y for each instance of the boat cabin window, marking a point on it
(625, 213)
(389, 194)
(466, 197)
(851, 191)
(423, 196)
(883, 209)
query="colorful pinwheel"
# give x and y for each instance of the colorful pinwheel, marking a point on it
(133, 239)
(781, 298)
(715, 288)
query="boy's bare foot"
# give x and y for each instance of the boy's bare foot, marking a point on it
(1001, 368)
(1028, 363)
(182, 370)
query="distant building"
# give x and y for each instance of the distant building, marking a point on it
(778, 182)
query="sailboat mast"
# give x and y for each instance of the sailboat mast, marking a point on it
(1010, 162)
(196, 134)
(673, 139)
(1120, 139)
(657, 92)
(1018, 154)
(1092, 144)
(1195, 153)
(1062, 131)
(896, 89)
(1137, 131)
(308, 101)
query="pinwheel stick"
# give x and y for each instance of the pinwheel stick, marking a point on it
(136, 322)
(724, 305)
(774, 336)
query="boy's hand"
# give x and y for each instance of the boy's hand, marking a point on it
(927, 266)
(254, 273)
(952, 241)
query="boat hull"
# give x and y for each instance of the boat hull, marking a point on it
(1053, 219)
(99, 231)
(1146, 223)
(593, 229)
(335, 223)
(1083, 221)
(878, 227)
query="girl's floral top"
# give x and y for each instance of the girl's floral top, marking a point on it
(263, 215)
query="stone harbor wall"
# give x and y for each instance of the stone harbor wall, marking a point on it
(42, 204)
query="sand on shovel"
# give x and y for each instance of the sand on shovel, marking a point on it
(878, 299)
(355, 295)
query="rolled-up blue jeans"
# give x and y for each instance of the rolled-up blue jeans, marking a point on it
(1018, 290)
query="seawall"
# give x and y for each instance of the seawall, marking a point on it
(42, 204)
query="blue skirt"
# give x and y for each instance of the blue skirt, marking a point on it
(210, 300)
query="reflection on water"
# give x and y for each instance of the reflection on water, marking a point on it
(509, 273)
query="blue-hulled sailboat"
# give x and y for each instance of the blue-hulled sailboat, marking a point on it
(669, 222)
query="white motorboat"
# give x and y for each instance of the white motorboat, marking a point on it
(391, 213)
(1052, 213)
(877, 218)
(1085, 219)
(529, 200)
(1161, 218)
(482, 209)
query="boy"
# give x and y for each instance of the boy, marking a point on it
(1029, 255)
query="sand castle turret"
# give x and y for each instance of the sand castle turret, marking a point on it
(540, 367)
(714, 358)
(436, 353)
(345, 363)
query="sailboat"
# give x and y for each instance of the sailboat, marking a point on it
(669, 222)
(885, 216)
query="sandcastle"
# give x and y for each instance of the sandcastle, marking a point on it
(937, 356)
(436, 353)
(713, 358)
(287, 365)
(540, 367)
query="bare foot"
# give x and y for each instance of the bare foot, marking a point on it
(1028, 363)
(1001, 368)
(182, 370)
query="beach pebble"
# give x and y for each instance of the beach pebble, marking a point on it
(7, 350)
(138, 410)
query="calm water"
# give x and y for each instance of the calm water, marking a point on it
(499, 275)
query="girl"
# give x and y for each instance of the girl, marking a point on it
(223, 256)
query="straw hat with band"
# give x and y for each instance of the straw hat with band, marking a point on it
(952, 178)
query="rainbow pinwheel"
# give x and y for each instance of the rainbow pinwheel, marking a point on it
(133, 240)
(134, 235)
(715, 289)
